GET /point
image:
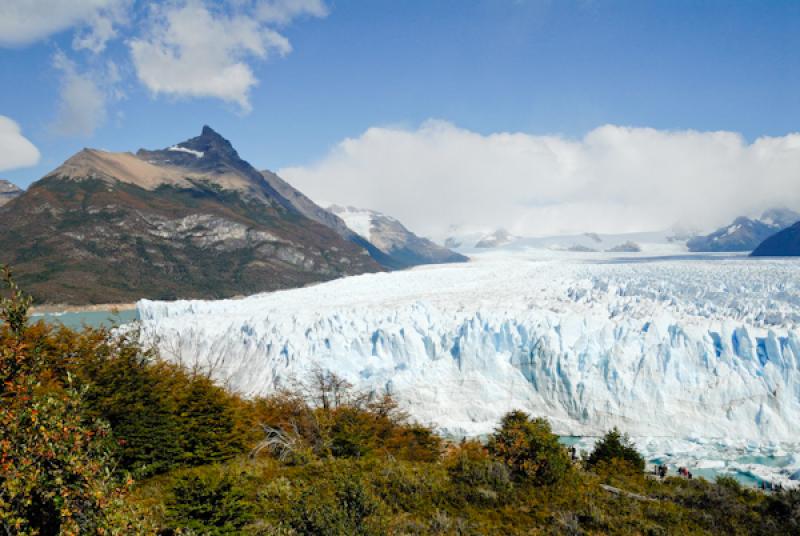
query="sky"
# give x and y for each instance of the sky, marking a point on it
(540, 116)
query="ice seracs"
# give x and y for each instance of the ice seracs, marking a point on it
(675, 348)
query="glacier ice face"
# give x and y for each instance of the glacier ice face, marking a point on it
(661, 348)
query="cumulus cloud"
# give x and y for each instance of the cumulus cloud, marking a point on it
(193, 49)
(614, 179)
(15, 149)
(83, 97)
(25, 21)
(284, 11)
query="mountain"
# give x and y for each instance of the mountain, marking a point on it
(311, 210)
(497, 239)
(401, 247)
(193, 220)
(625, 247)
(744, 234)
(785, 243)
(8, 191)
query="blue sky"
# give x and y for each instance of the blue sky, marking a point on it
(526, 66)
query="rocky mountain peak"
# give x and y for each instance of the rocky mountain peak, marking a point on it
(8, 187)
(8, 191)
(208, 151)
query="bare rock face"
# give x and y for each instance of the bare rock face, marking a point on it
(193, 220)
(8, 191)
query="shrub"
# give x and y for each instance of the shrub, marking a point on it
(161, 416)
(336, 504)
(210, 503)
(54, 466)
(615, 445)
(477, 475)
(529, 449)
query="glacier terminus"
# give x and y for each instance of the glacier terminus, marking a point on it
(687, 354)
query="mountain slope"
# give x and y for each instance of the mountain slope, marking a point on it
(785, 243)
(311, 210)
(8, 191)
(391, 237)
(193, 220)
(744, 234)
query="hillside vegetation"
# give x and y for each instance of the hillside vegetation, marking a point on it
(99, 436)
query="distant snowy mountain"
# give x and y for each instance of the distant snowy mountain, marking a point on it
(392, 238)
(497, 239)
(8, 191)
(467, 241)
(785, 243)
(461, 237)
(745, 234)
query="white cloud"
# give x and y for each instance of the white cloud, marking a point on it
(25, 21)
(83, 99)
(284, 11)
(614, 179)
(192, 49)
(15, 149)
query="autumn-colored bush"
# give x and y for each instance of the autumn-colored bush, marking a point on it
(529, 448)
(329, 419)
(55, 473)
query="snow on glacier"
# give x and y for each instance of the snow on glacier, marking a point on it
(662, 348)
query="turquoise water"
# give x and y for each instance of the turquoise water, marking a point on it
(743, 475)
(93, 319)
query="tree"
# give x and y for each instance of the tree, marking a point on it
(529, 448)
(55, 473)
(616, 445)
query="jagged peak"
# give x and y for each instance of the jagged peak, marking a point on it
(208, 131)
(7, 186)
(203, 151)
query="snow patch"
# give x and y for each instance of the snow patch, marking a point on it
(178, 148)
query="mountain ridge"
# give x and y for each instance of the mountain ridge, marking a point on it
(391, 237)
(116, 227)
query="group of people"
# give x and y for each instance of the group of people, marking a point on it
(684, 472)
(769, 486)
(662, 470)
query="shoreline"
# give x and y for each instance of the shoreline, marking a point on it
(63, 308)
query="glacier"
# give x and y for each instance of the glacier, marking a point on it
(682, 353)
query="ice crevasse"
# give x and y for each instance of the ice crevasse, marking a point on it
(659, 348)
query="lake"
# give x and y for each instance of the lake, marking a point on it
(94, 319)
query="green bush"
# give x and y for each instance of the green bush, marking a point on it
(336, 504)
(478, 476)
(615, 445)
(161, 416)
(529, 449)
(209, 502)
